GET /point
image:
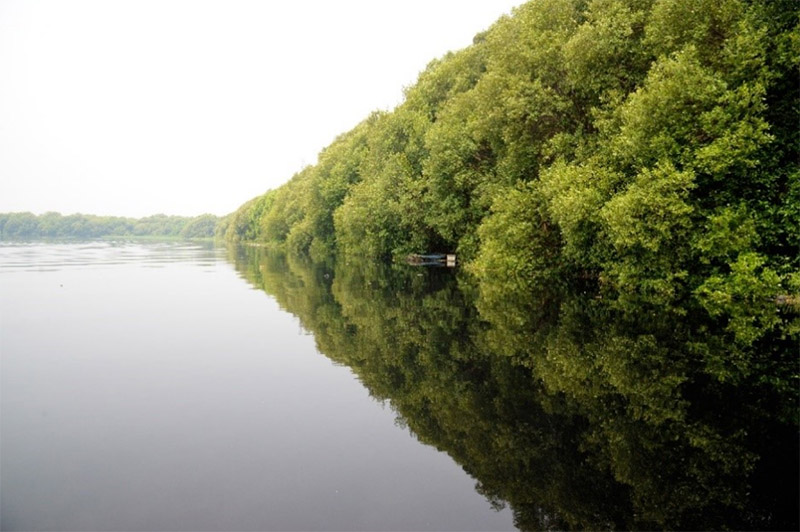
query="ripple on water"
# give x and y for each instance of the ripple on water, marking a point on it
(57, 256)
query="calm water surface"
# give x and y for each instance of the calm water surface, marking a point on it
(150, 387)
(185, 387)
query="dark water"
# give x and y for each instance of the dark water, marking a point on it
(150, 387)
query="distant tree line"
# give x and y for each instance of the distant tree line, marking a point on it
(649, 145)
(25, 225)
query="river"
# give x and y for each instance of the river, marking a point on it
(182, 386)
(148, 387)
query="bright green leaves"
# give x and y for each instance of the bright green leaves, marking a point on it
(367, 222)
(575, 194)
(737, 130)
(648, 225)
(704, 24)
(686, 113)
(445, 78)
(727, 232)
(284, 208)
(457, 166)
(520, 251)
(636, 233)
(758, 310)
(384, 214)
(338, 169)
(651, 213)
(746, 297)
(245, 223)
(531, 42)
(604, 53)
(660, 120)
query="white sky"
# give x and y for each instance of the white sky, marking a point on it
(137, 107)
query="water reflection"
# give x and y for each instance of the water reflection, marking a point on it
(134, 398)
(56, 256)
(576, 412)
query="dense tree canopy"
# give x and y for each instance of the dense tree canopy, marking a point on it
(649, 145)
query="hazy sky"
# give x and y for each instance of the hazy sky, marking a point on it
(135, 107)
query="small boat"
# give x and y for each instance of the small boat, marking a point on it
(431, 259)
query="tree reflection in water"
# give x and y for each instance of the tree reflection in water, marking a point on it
(576, 411)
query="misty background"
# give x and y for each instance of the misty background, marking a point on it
(184, 107)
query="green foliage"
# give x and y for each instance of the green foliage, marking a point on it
(705, 24)
(746, 296)
(574, 195)
(635, 121)
(519, 248)
(202, 226)
(647, 150)
(605, 54)
(728, 231)
(382, 215)
(22, 226)
(648, 224)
